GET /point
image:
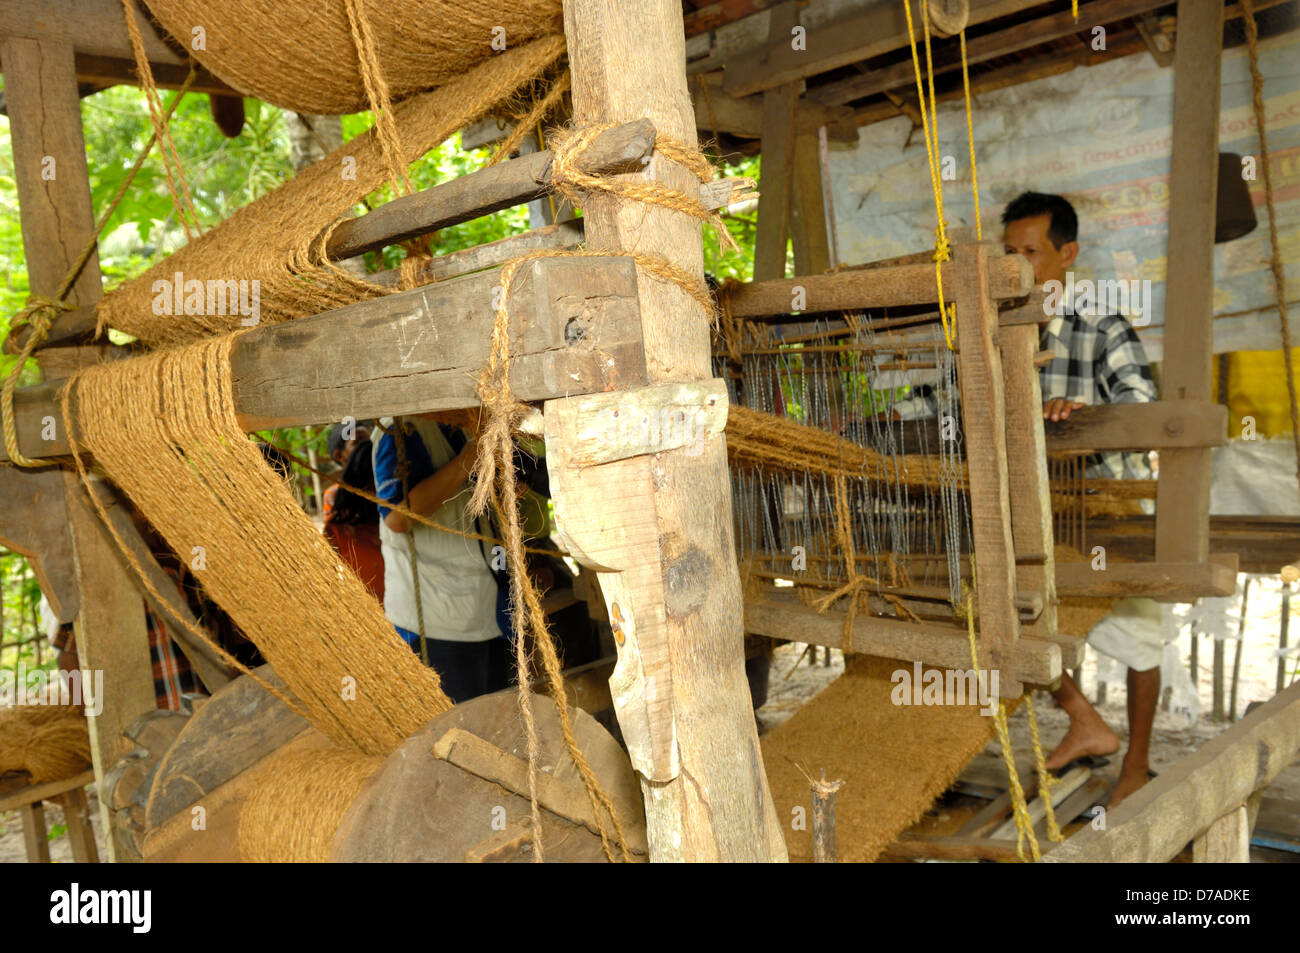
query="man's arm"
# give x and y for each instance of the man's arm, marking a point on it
(429, 495)
(1123, 373)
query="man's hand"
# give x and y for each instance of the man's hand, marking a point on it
(1060, 408)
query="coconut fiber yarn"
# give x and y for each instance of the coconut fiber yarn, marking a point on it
(164, 429)
(279, 240)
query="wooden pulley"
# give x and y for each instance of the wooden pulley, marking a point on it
(949, 17)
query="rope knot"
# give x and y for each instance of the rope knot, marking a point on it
(942, 247)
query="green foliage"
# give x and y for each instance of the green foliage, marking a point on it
(55, 832)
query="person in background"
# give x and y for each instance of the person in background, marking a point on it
(351, 521)
(1096, 359)
(426, 466)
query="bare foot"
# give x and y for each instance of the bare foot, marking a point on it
(1087, 736)
(1129, 781)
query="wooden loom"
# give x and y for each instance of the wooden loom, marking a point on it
(667, 575)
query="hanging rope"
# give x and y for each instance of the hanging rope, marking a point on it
(930, 130)
(1275, 262)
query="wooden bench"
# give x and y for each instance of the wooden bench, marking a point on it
(69, 794)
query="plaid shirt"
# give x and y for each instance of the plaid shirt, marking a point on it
(1098, 359)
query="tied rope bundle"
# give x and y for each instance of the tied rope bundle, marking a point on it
(49, 742)
(165, 431)
(306, 59)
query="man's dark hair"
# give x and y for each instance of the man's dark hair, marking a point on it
(1064, 225)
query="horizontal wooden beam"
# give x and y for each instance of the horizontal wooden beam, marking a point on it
(874, 32)
(488, 190)
(1148, 426)
(421, 350)
(1164, 582)
(954, 847)
(1037, 661)
(1262, 543)
(1154, 824)
(1010, 276)
(717, 112)
(980, 49)
(96, 27)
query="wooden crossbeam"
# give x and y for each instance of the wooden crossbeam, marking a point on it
(1150, 426)
(1009, 276)
(1164, 582)
(1037, 661)
(420, 350)
(990, 46)
(485, 191)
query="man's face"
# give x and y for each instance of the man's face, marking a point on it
(1028, 237)
(361, 435)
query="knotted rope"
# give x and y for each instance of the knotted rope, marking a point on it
(494, 473)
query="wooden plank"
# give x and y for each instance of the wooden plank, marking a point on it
(34, 522)
(808, 231)
(57, 222)
(483, 759)
(1226, 841)
(716, 112)
(979, 370)
(112, 642)
(1154, 824)
(488, 190)
(980, 49)
(1088, 795)
(659, 528)
(81, 836)
(880, 29)
(1009, 276)
(96, 27)
(1030, 495)
(1166, 582)
(773, 231)
(582, 334)
(953, 848)
(31, 793)
(1158, 425)
(1066, 785)
(1262, 543)
(239, 725)
(34, 842)
(1037, 661)
(1183, 501)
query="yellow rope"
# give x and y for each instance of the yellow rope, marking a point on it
(1045, 780)
(970, 138)
(930, 129)
(1020, 810)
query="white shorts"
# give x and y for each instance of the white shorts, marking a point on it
(1133, 634)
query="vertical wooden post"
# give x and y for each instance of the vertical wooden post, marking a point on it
(808, 233)
(57, 220)
(778, 142)
(1226, 841)
(979, 368)
(1031, 505)
(1183, 493)
(659, 527)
